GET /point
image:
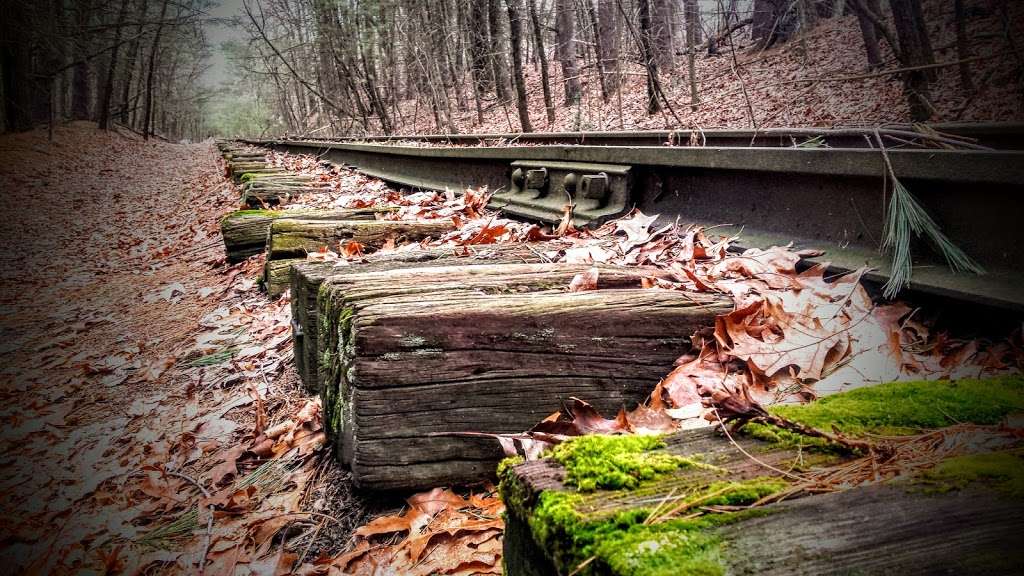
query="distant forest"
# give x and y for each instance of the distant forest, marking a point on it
(342, 67)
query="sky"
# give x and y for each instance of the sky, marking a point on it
(217, 35)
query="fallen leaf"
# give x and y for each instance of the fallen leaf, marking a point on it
(584, 281)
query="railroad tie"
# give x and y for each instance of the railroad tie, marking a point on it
(290, 240)
(515, 344)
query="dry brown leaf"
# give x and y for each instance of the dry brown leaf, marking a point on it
(584, 281)
(228, 466)
(436, 500)
(385, 525)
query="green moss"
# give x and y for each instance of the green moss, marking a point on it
(622, 544)
(900, 408)
(247, 177)
(345, 320)
(1004, 471)
(663, 551)
(787, 439)
(511, 491)
(612, 462)
(284, 244)
(731, 493)
(620, 541)
(255, 213)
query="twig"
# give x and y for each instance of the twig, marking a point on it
(804, 430)
(748, 455)
(209, 521)
(881, 73)
(582, 565)
(312, 539)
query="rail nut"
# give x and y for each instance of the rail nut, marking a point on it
(594, 186)
(536, 179)
(518, 178)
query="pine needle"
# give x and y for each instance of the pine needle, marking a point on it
(906, 219)
(270, 476)
(164, 536)
(212, 359)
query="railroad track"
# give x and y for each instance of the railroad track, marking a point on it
(816, 189)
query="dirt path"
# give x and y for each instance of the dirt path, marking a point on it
(136, 365)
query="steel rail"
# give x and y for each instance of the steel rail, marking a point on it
(832, 199)
(998, 135)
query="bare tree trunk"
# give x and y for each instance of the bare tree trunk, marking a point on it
(915, 50)
(460, 51)
(372, 91)
(16, 56)
(963, 47)
(479, 45)
(653, 104)
(928, 55)
(869, 30)
(691, 12)
(499, 64)
(773, 20)
(325, 19)
(565, 49)
(4, 82)
(808, 11)
(108, 86)
(692, 38)
(129, 68)
(515, 26)
(764, 18)
(147, 122)
(595, 37)
(80, 78)
(545, 78)
(608, 43)
(52, 61)
(663, 33)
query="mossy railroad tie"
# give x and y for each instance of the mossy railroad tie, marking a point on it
(245, 231)
(411, 356)
(291, 239)
(681, 504)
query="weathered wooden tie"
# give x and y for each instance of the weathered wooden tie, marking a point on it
(266, 192)
(290, 240)
(239, 166)
(306, 278)
(409, 354)
(245, 232)
(296, 237)
(238, 176)
(246, 158)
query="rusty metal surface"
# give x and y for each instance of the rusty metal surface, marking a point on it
(540, 190)
(1002, 135)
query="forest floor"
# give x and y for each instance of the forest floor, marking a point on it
(114, 293)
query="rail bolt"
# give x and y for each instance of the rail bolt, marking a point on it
(518, 179)
(569, 183)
